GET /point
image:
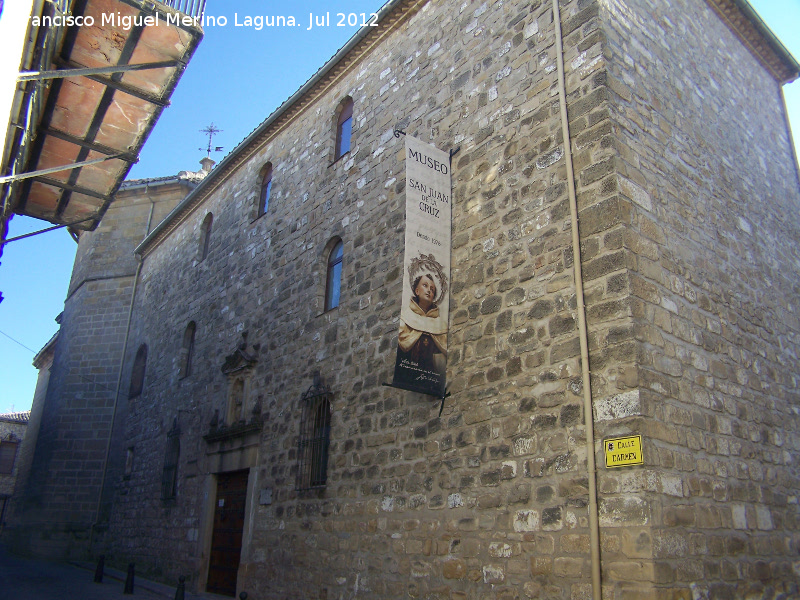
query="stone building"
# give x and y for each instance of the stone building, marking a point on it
(12, 432)
(68, 447)
(43, 361)
(646, 270)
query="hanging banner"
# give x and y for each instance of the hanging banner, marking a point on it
(422, 344)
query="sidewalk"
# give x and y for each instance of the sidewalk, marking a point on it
(24, 579)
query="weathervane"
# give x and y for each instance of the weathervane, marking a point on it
(211, 131)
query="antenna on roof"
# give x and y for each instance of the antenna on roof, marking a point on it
(211, 131)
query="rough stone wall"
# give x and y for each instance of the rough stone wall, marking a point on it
(705, 161)
(11, 431)
(56, 512)
(486, 501)
(107, 252)
(43, 361)
(58, 504)
(686, 192)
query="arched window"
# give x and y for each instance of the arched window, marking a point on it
(333, 287)
(187, 352)
(205, 236)
(137, 374)
(266, 188)
(344, 128)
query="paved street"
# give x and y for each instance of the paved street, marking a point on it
(26, 579)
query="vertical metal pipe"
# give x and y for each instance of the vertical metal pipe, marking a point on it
(594, 528)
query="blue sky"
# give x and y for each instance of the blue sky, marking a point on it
(237, 77)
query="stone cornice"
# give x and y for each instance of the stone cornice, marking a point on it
(740, 17)
(326, 78)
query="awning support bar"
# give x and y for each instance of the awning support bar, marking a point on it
(53, 228)
(94, 146)
(61, 73)
(77, 165)
(70, 188)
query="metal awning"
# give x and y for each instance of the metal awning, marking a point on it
(97, 97)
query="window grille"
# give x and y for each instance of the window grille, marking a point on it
(315, 430)
(169, 477)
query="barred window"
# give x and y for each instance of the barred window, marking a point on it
(315, 430)
(169, 476)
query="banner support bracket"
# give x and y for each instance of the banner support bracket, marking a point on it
(397, 387)
(398, 132)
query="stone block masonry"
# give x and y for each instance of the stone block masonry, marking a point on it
(12, 431)
(415, 504)
(56, 505)
(490, 498)
(691, 326)
(75, 422)
(713, 232)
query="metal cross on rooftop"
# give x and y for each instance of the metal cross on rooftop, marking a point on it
(211, 131)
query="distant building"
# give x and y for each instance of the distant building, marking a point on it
(12, 432)
(625, 264)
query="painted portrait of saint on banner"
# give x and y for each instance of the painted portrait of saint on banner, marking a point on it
(421, 363)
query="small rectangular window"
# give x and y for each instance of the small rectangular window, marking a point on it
(266, 190)
(344, 129)
(344, 136)
(333, 285)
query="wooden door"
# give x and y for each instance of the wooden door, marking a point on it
(226, 539)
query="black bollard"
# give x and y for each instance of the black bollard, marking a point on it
(243, 596)
(129, 580)
(98, 572)
(181, 590)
